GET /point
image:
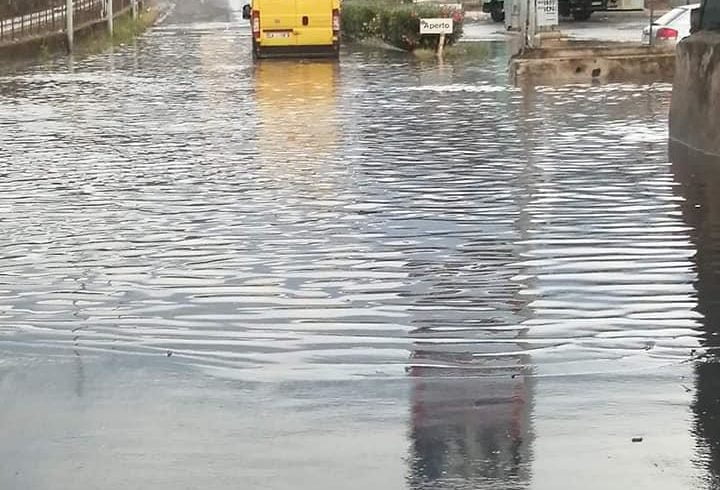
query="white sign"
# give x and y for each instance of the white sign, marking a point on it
(436, 26)
(547, 13)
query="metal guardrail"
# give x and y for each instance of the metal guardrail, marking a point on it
(88, 10)
(20, 19)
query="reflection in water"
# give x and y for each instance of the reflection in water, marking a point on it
(296, 109)
(699, 185)
(297, 131)
(472, 393)
(471, 396)
(470, 423)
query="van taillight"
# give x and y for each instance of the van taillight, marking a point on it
(256, 23)
(666, 33)
(336, 20)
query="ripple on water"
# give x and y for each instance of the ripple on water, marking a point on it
(304, 220)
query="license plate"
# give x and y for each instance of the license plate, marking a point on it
(277, 34)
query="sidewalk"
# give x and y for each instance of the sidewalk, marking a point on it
(602, 26)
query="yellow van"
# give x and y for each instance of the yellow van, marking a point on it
(294, 27)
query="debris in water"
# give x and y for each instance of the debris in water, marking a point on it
(637, 439)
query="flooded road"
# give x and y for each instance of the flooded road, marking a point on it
(379, 274)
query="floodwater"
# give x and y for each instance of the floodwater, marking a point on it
(379, 274)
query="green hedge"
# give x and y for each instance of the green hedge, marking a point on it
(396, 23)
(359, 21)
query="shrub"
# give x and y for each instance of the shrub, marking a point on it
(359, 21)
(397, 24)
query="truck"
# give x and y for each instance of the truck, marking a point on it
(577, 9)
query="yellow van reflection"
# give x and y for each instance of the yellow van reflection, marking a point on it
(297, 111)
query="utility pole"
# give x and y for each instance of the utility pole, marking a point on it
(652, 20)
(69, 28)
(110, 16)
(532, 23)
(523, 19)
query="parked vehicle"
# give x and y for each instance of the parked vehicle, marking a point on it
(496, 9)
(577, 9)
(671, 27)
(306, 28)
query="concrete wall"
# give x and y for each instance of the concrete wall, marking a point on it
(695, 109)
(582, 62)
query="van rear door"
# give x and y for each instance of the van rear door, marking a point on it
(278, 21)
(314, 22)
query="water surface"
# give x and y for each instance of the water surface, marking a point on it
(379, 274)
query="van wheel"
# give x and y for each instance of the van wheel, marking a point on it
(497, 14)
(581, 15)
